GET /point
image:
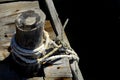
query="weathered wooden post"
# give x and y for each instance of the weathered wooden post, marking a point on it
(27, 42)
(29, 30)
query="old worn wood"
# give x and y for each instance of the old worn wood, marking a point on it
(29, 35)
(59, 68)
(8, 14)
(11, 10)
(76, 71)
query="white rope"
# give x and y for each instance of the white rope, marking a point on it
(34, 54)
(63, 56)
(49, 54)
(71, 52)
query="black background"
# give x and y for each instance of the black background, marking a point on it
(111, 22)
(111, 3)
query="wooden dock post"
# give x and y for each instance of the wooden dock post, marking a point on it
(29, 29)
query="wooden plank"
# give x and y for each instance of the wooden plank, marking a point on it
(76, 71)
(58, 69)
(11, 10)
(35, 78)
(15, 7)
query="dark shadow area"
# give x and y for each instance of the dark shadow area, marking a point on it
(111, 3)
